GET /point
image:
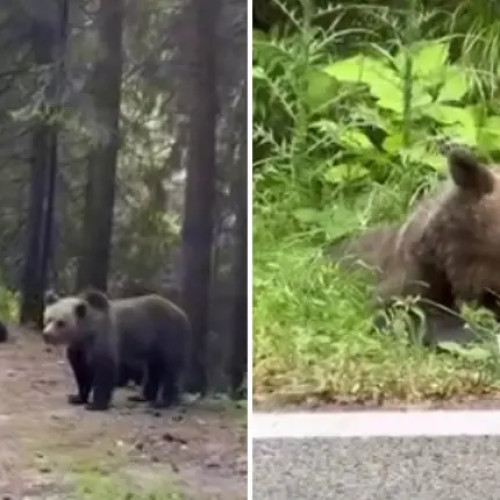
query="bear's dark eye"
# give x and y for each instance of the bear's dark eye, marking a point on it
(60, 323)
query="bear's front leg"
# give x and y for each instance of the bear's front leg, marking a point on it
(103, 384)
(83, 375)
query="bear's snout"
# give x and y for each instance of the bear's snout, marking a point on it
(49, 336)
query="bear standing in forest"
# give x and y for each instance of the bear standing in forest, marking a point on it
(146, 333)
(87, 326)
(448, 250)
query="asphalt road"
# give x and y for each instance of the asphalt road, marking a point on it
(364, 464)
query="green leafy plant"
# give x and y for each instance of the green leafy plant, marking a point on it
(349, 125)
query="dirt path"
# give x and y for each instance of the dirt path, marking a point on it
(52, 451)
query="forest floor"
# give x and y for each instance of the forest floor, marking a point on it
(50, 450)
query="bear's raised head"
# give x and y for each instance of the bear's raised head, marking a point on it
(471, 176)
(454, 236)
(74, 319)
(474, 206)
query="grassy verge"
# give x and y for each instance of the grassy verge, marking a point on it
(348, 119)
(313, 340)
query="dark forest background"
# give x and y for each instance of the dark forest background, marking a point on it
(123, 161)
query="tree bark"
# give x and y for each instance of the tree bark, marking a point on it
(197, 231)
(49, 44)
(237, 365)
(93, 267)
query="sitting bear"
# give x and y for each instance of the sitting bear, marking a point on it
(136, 336)
(447, 252)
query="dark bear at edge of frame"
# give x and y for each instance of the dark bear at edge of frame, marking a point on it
(4, 333)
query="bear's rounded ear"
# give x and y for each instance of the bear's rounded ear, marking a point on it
(96, 299)
(468, 173)
(81, 310)
(50, 297)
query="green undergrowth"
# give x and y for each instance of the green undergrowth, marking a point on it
(313, 339)
(8, 304)
(91, 475)
(94, 485)
(349, 122)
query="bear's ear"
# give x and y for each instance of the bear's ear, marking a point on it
(96, 299)
(50, 297)
(81, 310)
(468, 174)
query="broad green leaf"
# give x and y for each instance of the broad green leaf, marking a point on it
(340, 222)
(452, 347)
(428, 59)
(420, 155)
(466, 129)
(354, 139)
(393, 142)
(455, 84)
(392, 97)
(492, 124)
(389, 95)
(345, 172)
(307, 215)
(450, 115)
(361, 68)
(349, 138)
(321, 89)
(470, 353)
(420, 97)
(489, 134)
(465, 134)
(258, 73)
(369, 115)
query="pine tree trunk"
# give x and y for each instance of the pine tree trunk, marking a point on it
(93, 267)
(197, 231)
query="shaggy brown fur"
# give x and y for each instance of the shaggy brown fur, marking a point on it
(448, 250)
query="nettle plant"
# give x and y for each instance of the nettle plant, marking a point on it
(394, 111)
(399, 106)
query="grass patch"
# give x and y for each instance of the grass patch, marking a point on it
(92, 484)
(108, 472)
(313, 339)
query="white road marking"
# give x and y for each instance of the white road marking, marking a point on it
(375, 424)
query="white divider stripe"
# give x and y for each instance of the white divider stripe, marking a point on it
(376, 424)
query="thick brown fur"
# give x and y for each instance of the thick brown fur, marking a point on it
(448, 249)
(151, 338)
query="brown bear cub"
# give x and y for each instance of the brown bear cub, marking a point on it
(448, 250)
(141, 337)
(86, 325)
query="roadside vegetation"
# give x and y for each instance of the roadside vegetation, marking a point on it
(350, 106)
